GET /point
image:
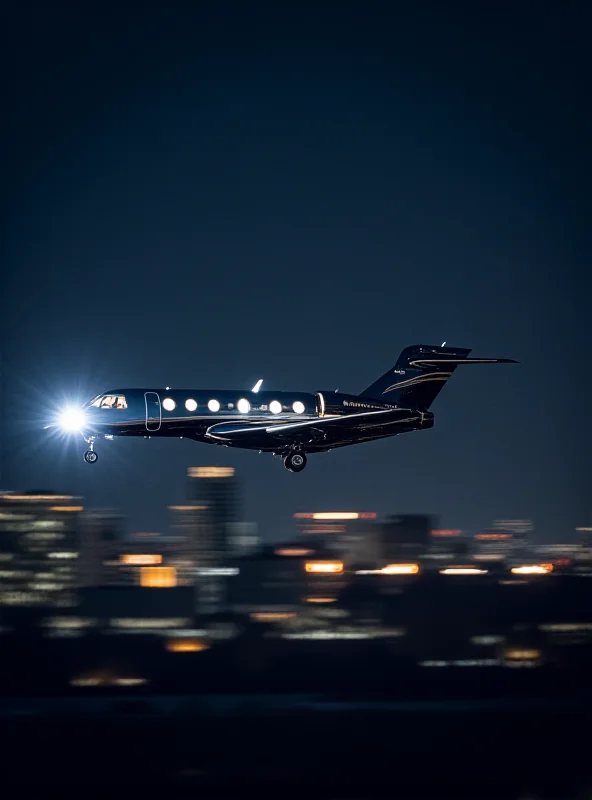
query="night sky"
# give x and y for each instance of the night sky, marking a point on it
(204, 196)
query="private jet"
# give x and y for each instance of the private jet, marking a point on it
(288, 424)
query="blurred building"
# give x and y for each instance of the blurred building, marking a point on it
(403, 538)
(125, 611)
(284, 579)
(206, 519)
(100, 532)
(345, 535)
(39, 549)
(445, 546)
(243, 538)
(146, 559)
(208, 522)
(506, 540)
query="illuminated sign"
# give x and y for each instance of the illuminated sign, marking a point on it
(336, 515)
(158, 577)
(139, 559)
(210, 472)
(324, 567)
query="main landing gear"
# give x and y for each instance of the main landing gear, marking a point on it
(91, 457)
(295, 461)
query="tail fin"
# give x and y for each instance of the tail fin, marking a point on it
(421, 372)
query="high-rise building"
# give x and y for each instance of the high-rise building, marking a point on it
(208, 523)
(214, 504)
(39, 549)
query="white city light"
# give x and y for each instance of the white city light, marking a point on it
(72, 419)
(190, 405)
(275, 406)
(298, 407)
(214, 405)
(243, 406)
(168, 404)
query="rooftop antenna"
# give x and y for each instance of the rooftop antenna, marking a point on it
(257, 386)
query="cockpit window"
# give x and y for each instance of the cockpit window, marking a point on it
(110, 401)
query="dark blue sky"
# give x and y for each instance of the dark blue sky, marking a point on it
(204, 197)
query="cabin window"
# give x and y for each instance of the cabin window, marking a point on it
(298, 407)
(275, 406)
(110, 401)
(214, 405)
(168, 404)
(190, 405)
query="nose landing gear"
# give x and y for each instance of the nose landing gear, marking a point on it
(90, 456)
(295, 461)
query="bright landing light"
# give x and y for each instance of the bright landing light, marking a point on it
(71, 419)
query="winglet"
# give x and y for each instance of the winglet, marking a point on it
(257, 386)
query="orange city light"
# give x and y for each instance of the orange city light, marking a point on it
(293, 551)
(158, 577)
(66, 508)
(322, 600)
(140, 559)
(532, 569)
(324, 567)
(400, 569)
(186, 646)
(210, 472)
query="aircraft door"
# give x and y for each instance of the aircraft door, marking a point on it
(153, 411)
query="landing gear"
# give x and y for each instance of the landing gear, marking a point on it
(90, 456)
(295, 461)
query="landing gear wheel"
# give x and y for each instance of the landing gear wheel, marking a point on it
(91, 457)
(295, 462)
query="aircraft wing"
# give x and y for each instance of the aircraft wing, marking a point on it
(312, 429)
